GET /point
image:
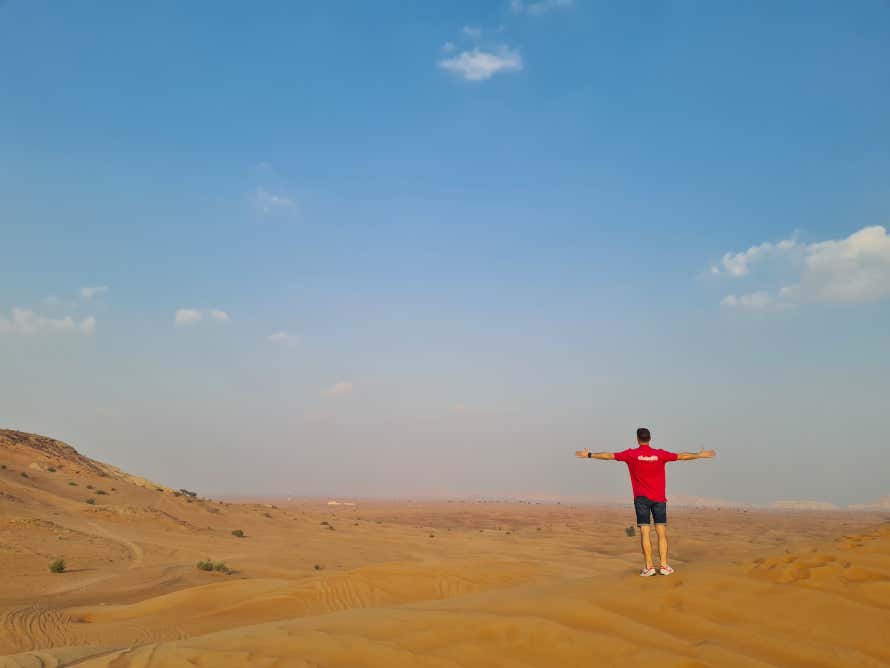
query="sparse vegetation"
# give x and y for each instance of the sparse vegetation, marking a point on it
(194, 495)
(3, 466)
(631, 531)
(24, 475)
(101, 492)
(318, 567)
(92, 502)
(51, 469)
(71, 483)
(324, 523)
(89, 487)
(58, 566)
(217, 566)
(238, 533)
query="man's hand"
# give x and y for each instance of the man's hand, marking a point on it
(583, 454)
(707, 454)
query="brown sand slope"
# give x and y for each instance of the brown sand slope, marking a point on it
(416, 584)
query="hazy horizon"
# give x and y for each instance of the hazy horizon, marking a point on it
(409, 249)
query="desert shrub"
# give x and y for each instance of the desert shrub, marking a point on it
(24, 475)
(89, 487)
(51, 469)
(58, 566)
(3, 466)
(238, 533)
(631, 531)
(101, 492)
(92, 502)
(188, 493)
(318, 567)
(71, 483)
(325, 523)
(177, 493)
(159, 489)
(114, 489)
(218, 566)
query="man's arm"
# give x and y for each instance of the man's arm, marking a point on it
(701, 454)
(586, 454)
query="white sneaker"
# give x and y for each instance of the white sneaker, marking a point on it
(647, 572)
(665, 570)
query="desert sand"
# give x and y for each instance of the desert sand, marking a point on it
(401, 583)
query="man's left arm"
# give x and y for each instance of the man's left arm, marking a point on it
(586, 454)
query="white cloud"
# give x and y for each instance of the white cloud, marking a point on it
(26, 321)
(340, 389)
(184, 317)
(739, 264)
(539, 7)
(268, 202)
(284, 338)
(850, 270)
(89, 293)
(87, 325)
(754, 300)
(479, 65)
(472, 32)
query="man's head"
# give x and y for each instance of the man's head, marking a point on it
(643, 436)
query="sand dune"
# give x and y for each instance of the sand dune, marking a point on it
(417, 584)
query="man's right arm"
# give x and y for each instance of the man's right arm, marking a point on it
(701, 454)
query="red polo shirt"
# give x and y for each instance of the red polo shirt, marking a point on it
(646, 467)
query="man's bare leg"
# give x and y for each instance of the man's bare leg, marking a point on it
(646, 544)
(661, 531)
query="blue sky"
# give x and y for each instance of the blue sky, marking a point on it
(406, 248)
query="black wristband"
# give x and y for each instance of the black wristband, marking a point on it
(589, 455)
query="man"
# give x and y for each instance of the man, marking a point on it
(646, 467)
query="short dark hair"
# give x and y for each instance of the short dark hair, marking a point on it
(643, 435)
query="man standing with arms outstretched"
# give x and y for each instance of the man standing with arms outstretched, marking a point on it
(646, 467)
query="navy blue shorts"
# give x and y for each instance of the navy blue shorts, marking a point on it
(646, 507)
